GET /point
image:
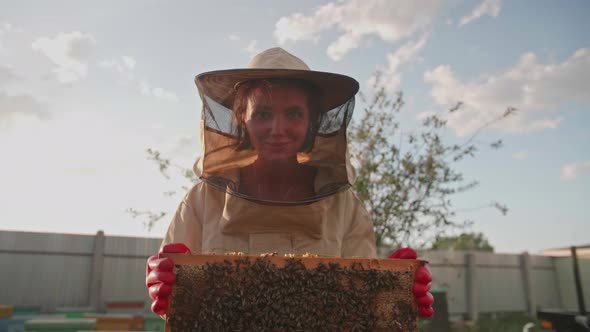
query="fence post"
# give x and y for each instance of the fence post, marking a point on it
(95, 288)
(527, 278)
(471, 278)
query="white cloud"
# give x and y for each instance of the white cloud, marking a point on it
(70, 52)
(573, 170)
(407, 53)
(520, 155)
(531, 87)
(5, 27)
(144, 88)
(344, 44)
(252, 49)
(233, 37)
(164, 94)
(487, 7)
(7, 74)
(160, 93)
(356, 20)
(19, 106)
(125, 65)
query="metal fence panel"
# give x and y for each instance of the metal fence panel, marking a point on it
(567, 287)
(545, 283)
(500, 289)
(499, 282)
(48, 281)
(449, 274)
(124, 280)
(46, 242)
(130, 246)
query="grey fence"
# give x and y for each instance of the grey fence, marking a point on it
(66, 270)
(478, 282)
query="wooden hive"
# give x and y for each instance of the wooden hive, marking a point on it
(262, 293)
(117, 322)
(6, 311)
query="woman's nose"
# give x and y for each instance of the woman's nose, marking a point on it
(277, 126)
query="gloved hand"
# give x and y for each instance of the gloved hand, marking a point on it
(421, 283)
(159, 277)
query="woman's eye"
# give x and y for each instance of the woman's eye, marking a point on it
(262, 115)
(294, 114)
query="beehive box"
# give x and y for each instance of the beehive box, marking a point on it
(59, 325)
(17, 322)
(26, 310)
(261, 293)
(117, 322)
(153, 323)
(136, 306)
(74, 312)
(6, 311)
(14, 324)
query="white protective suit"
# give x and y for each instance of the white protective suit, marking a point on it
(215, 218)
(209, 220)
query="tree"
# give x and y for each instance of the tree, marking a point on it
(464, 241)
(407, 179)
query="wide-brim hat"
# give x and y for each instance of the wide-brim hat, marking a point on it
(276, 63)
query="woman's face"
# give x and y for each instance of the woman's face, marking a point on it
(277, 120)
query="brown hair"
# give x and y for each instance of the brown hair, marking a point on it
(243, 91)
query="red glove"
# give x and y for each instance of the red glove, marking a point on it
(421, 283)
(159, 277)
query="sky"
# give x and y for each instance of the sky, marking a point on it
(87, 87)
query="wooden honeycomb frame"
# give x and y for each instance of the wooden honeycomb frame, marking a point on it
(233, 292)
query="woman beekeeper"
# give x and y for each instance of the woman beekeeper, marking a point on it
(275, 172)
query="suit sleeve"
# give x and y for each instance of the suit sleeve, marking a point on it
(359, 239)
(186, 226)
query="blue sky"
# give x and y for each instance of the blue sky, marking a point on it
(86, 89)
